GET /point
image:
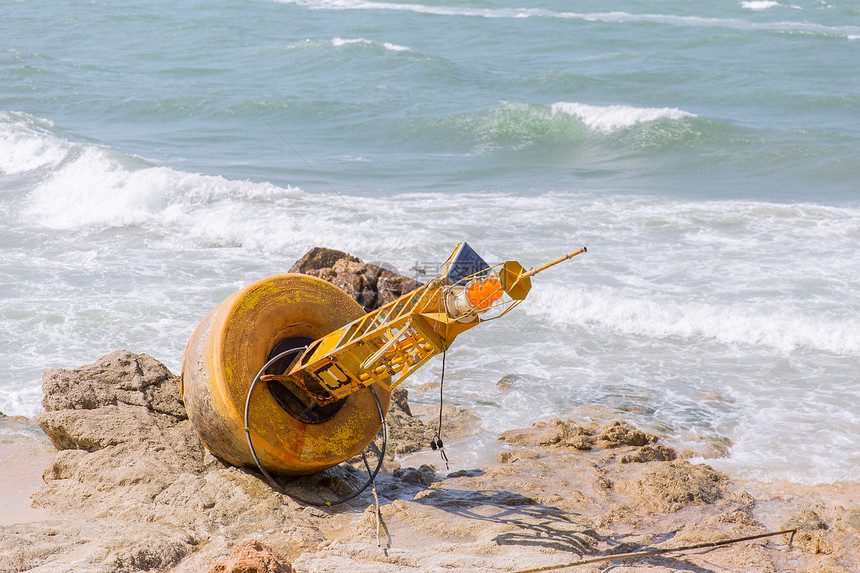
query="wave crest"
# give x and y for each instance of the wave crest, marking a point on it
(27, 144)
(339, 42)
(609, 118)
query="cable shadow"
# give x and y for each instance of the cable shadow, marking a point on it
(674, 564)
(533, 524)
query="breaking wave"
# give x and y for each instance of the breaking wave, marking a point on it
(678, 20)
(609, 118)
(781, 328)
(338, 42)
(28, 144)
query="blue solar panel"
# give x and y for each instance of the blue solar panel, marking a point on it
(467, 264)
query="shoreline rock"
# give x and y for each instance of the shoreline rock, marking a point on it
(132, 489)
(370, 285)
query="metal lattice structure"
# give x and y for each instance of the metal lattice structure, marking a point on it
(390, 343)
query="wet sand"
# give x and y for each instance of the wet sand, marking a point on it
(25, 454)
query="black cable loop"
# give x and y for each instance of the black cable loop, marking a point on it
(272, 481)
(441, 386)
(437, 441)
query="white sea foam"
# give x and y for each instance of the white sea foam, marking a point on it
(100, 188)
(27, 144)
(609, 118)
(338, 42)
(759, 5)
(609, 17)
(419, 8)
(784, 330)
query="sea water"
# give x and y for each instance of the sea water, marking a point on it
(156, 156)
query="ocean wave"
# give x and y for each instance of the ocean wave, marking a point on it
(609, 118)
(418, 8)
(29, 144)
(338, 42)
(519, 126)
(759, 5)
(96, 188)
(783, 328)
(607, 17)
(102, 188)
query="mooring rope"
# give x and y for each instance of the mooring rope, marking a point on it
(650, 552)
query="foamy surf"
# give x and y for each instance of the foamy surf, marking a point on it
(607, 119)
(780, 328)
(27, 144)
(759, 5)
(616, 17)
(339, 42)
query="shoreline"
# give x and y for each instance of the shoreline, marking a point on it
(501, 499)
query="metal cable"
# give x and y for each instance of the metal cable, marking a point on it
(272, 481)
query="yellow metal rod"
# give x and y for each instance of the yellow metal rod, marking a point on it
(532, 272)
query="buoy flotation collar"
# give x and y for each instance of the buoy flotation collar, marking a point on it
(275, 484)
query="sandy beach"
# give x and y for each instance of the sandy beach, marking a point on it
(25, 453)
(143, 495)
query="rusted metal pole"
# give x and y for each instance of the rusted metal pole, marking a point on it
(533, 272)
(650, 552)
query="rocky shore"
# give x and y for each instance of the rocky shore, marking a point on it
(126, 486)
(130, 488)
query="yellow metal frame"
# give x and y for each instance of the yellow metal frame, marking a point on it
(390, 343)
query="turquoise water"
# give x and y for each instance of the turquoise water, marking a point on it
(156, 156)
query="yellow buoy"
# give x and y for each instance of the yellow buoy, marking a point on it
(289, 373)
(292, 434)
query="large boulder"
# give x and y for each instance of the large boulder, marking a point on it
(118, 378)
(370, 285)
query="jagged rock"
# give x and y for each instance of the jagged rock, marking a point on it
(678, 484)
(129, 456)
(650, 454)
(423, 476)
(559, 433)
(370, 285)
(320, 258)
(120, 377)
(251, 556)
(810, 536)
(620, 433)
(806, 520)
(399, 399)
(555, 432)
(406, 433)
(16, 418)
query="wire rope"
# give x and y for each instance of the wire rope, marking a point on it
(276, 485)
